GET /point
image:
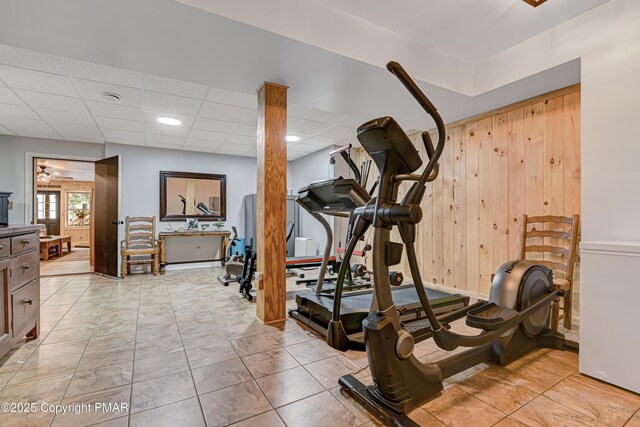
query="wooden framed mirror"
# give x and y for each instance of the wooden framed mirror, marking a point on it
(192, 195)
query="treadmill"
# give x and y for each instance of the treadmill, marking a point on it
(340, 197)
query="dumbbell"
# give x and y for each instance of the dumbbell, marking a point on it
(396, 278)
(359, 270)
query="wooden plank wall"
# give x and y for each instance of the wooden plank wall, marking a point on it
(495, 167)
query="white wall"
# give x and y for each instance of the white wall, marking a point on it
(16, 167)
(140, 175)
(302, 171)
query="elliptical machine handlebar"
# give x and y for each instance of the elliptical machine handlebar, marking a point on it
(415, 194)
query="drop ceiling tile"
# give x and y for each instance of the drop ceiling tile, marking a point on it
(304, 148)
(324, 116)
(228, 97)
(242, 140)
(307, 126)
(302, 136)
(197, 149)
(113, 134)
(340, 132)
(215, 125)
(230, 113)
(8, 97)
(165, 139)
(170, 103)
(126, 141)
(354, 122)
(77, 132)
(164, 145)
(52, 102)
(108, 109)
(5, 131)
(160, 129)
(38, 61)
(21, 78)
(296, 110)
(251, 153)
(208, 136)
(201, 143)
(119, 124)
(152, 117)
(101, 73)
(93, 91)
(252, 119)
(247, 130)
(322, 141)
(26, 127)
(17, 111)
(65, 117)
(174, 87)
(232, 149)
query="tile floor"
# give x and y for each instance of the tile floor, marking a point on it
(182, 350)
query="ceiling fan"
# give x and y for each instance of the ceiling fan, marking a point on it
(534, 3)
(44, 177)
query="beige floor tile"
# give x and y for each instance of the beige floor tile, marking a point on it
(161, 391)
(328, 371)
(543, 411)
(288, 386)
(53, 387)
(354, 407)
(38, 369)
(424, 419)
(119, 395)
(268, 419)
(254, 344)
(634, 421)
(220, 375)
(96, 379)
(203, 356)
(269, 362)
(203, 339)
(233, 404)
(306, 412)
(311, 351)
(455, 407)
(184, 413)
(153, 348)
(509, 422)
(159, 366)
(532, 378)
(37, 418)
(96, 360)
(47, 351)
(497, 391)
(116, 422)
(606, 403)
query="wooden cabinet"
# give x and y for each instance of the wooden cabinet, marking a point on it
(19, 285)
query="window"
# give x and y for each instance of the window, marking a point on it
(78, 209)
(47, 205)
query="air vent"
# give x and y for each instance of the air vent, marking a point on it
(111, 97)
(534, 3)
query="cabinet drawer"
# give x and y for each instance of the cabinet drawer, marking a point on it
(24, 243)
(5, 248)
(24, 304)
(24, 268)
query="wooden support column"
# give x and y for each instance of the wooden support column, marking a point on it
(272, 194)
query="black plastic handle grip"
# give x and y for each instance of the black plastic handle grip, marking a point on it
(411, 86)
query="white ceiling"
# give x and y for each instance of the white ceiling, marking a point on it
(470, 30)
(65, 169)
(47, 96)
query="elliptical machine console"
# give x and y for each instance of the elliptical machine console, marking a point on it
(514, 321)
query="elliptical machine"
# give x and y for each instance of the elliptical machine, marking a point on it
(513, 322)
(234, 263)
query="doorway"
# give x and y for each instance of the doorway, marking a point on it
(64, 204)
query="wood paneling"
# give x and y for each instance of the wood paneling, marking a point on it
(272, 192)
(496, 167)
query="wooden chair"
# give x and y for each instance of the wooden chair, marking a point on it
(558, 257)
(140, 241)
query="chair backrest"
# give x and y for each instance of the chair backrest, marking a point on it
(141, 232)
(559, 236)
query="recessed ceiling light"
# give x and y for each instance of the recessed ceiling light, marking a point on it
(292, 138)
(111, 97)
(56, 173)
(169, 121)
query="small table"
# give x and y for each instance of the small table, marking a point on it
(57, 242)
(224, 241)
